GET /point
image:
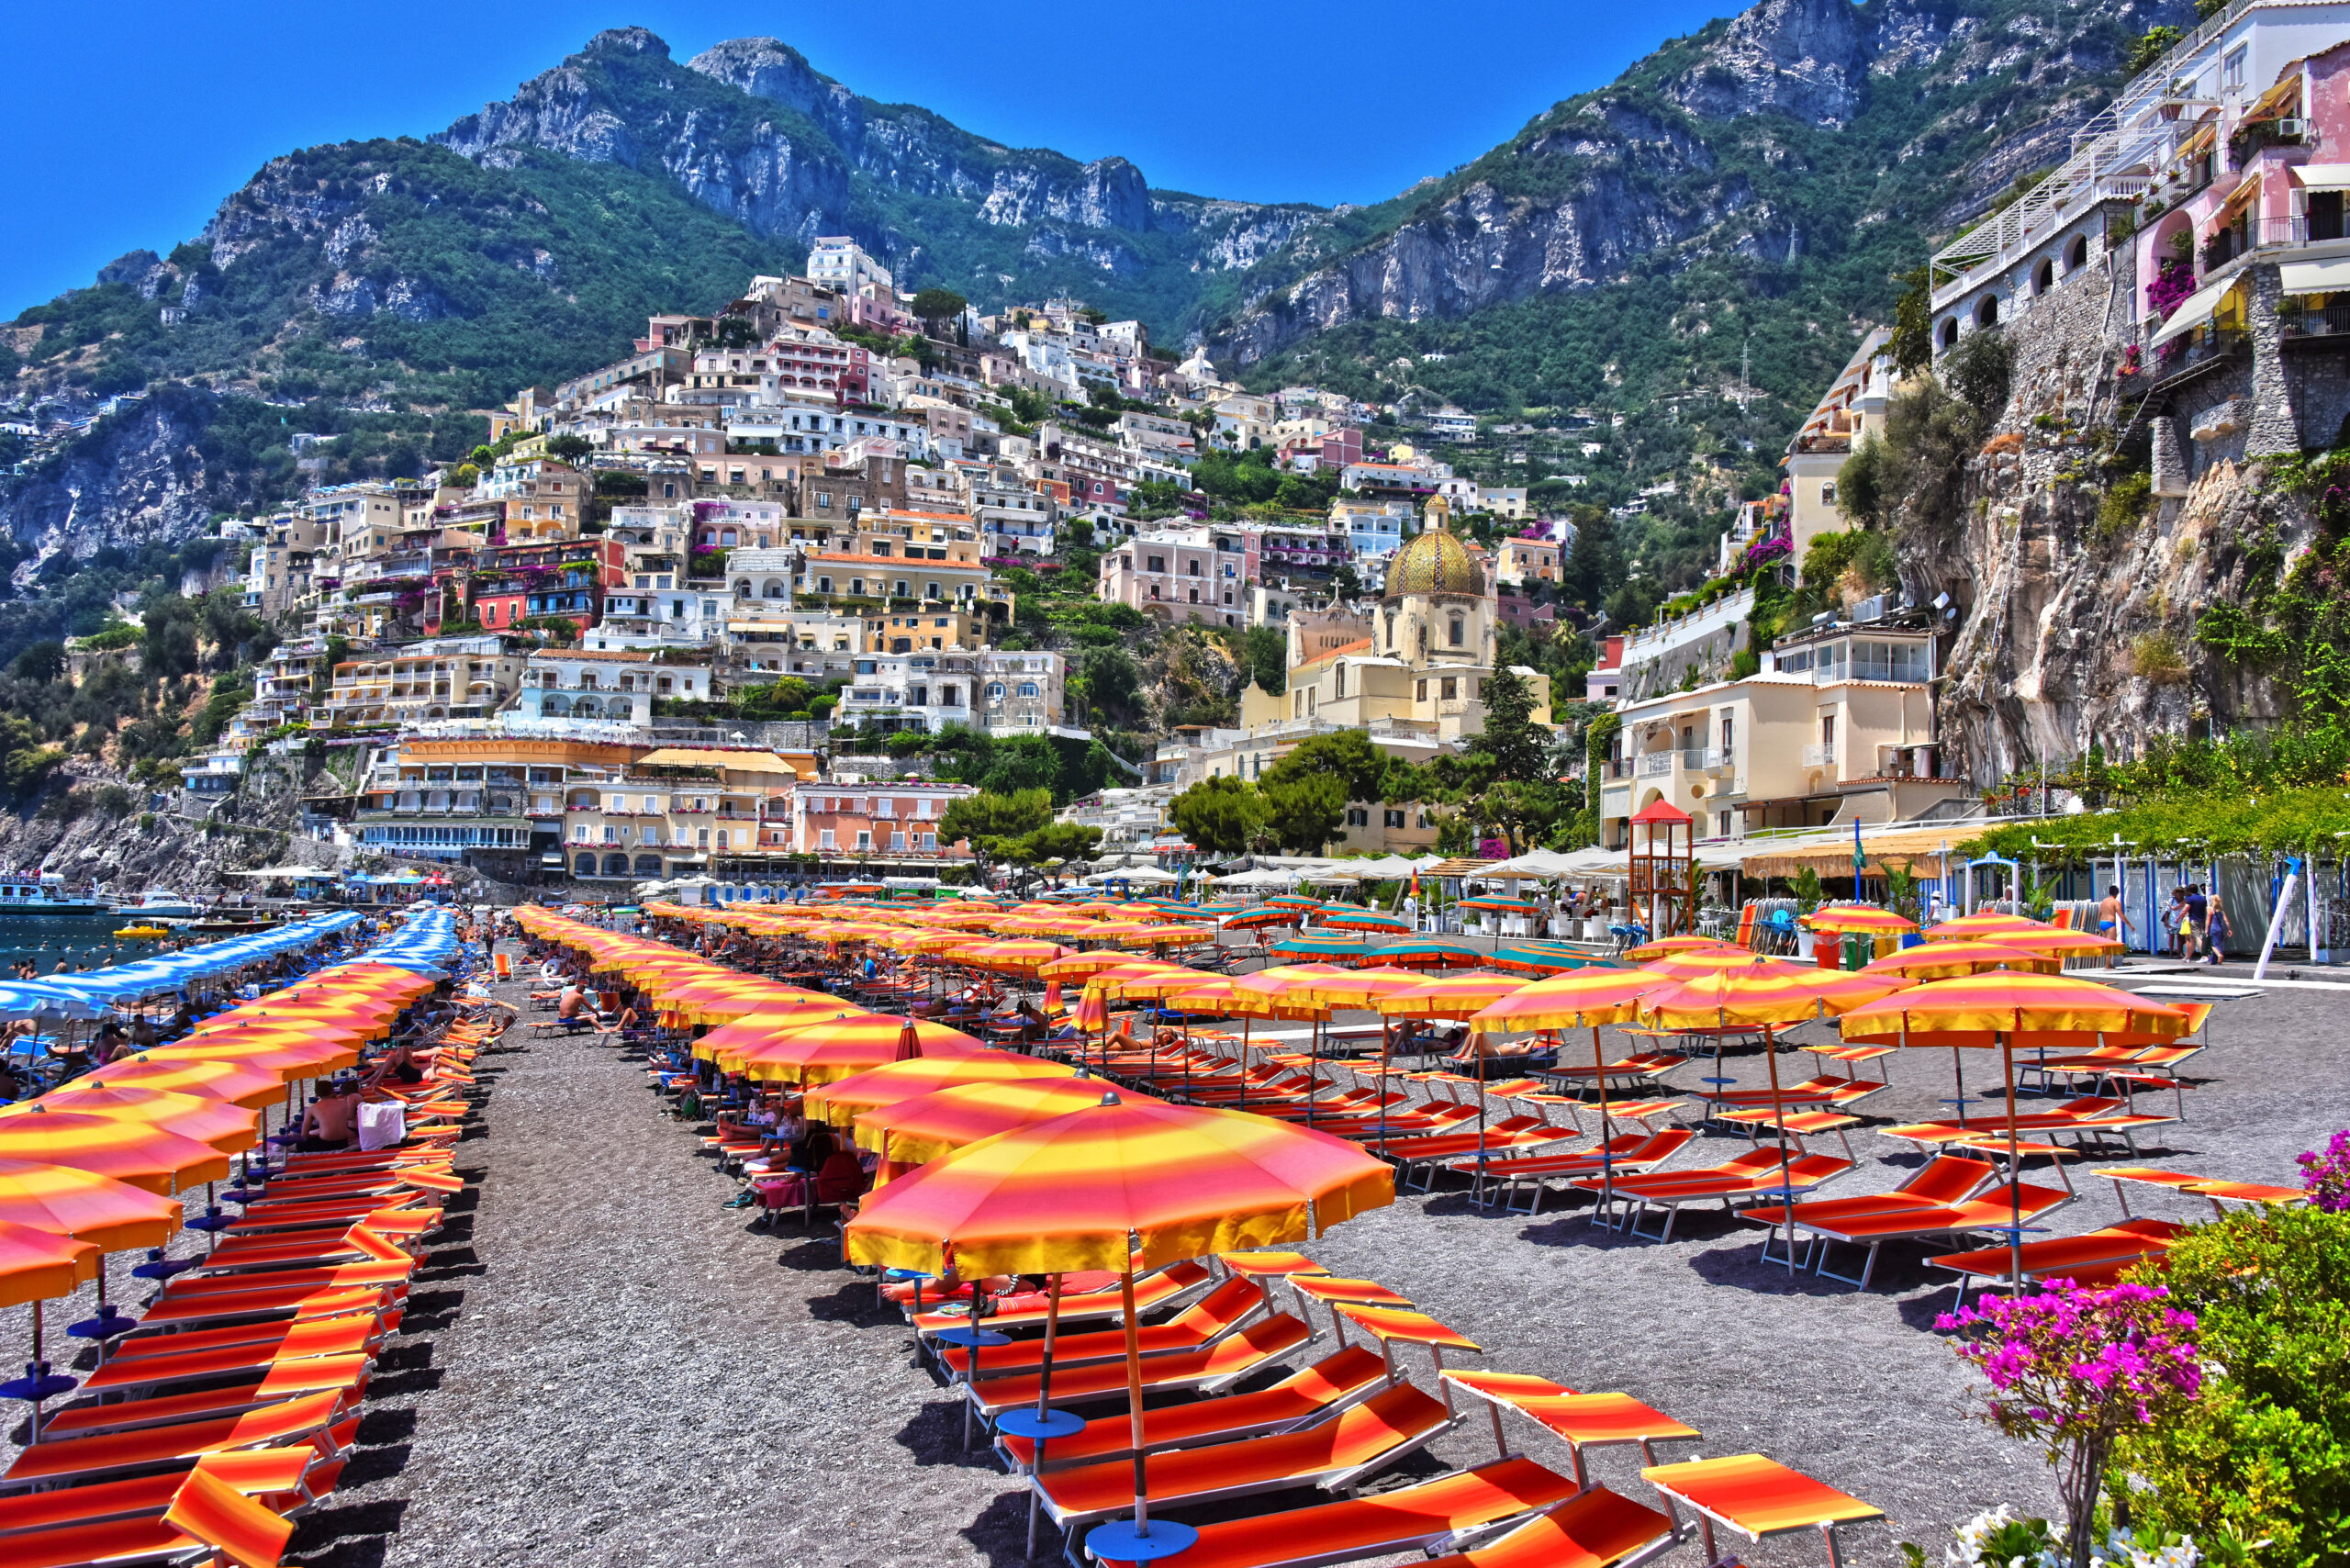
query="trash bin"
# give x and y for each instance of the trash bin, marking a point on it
(1858, 949)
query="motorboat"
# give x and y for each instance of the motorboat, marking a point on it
(164, 904)
(44, 893)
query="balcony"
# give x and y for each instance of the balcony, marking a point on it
(1705, 759)
(1822, 754)
(1656, 763)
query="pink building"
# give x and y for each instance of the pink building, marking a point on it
(893, 823)
(1180, 577)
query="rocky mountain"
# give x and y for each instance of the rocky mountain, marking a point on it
(1749, 190)
(750, 129)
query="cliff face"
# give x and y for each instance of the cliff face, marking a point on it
(1722, 146)
(2072, 629)
(773, 173)
(142, 474)
(2070, 639)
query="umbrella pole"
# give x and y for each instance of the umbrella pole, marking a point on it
(1779, 1117)
(1043, 1392)
(1313, 1069)
(2015, 1168)
(1607, 1132)
(1134, 1398)
(1244, 1061)
(1384, 1057)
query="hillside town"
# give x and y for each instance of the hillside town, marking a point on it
(535, 651)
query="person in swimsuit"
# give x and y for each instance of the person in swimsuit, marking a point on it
(2112, 921)
(332, 1120)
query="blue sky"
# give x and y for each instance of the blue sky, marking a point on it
(125, 125)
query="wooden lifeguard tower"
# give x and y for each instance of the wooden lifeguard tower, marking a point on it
(1663, 868)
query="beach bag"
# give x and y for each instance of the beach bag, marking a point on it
(383, 1126)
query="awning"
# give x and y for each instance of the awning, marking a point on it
(2193, 312)
(2315, 277)
(2283, 98)
(2324, 176)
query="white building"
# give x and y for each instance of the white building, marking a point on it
(590, 683)
(839, 263)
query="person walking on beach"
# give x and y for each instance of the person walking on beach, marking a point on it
(2190, 922)
(2216, 930)
(2113, 921)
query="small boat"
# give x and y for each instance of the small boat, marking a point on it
(164, 904)
(143, 933)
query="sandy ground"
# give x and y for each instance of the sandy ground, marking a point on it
(601, 1364)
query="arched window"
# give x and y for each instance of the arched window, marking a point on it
(743, 589)
(1456, 631)
(2078, 256)
(1424, 640)
(615, 865)
(1028, 688)
(586, 708)
(1986, 311)
(584, 867)
(1949, 333)
(995, 691)
(2045, 278)
(774, 589)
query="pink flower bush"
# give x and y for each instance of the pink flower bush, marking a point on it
(2326, 1177)
(2174, 281)
(2073, 1369)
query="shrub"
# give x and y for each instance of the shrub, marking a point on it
(2074, 1371)
(2124, 506)
(2265, 1453)
(121, 634)
(66, 806)
(114, 801)
(2154, 658)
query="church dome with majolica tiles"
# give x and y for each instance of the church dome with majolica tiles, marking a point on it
(1431, 563)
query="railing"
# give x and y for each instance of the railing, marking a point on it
(2118, 137)
(1656, 763)
(2331, 319)
(1821, 756)
(1703, 760)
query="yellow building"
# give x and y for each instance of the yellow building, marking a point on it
(1853, 411)
(1426, 655)
(1410, 674)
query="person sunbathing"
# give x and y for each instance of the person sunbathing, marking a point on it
(398, 1065)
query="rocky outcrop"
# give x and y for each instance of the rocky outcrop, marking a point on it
(776, 178)
(139, 475)
(2069, 639)
(1618, 190)
(1805, 58)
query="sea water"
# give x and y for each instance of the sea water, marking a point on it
(86, 941)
